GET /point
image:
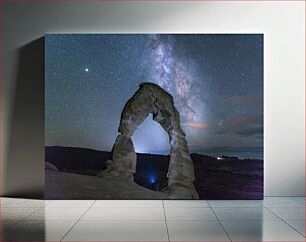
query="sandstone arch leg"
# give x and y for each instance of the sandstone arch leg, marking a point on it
(151, 98)
(124, 156)
(181, 171)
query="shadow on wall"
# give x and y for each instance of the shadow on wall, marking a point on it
(25, 159)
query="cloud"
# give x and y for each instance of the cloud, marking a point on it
(197, 125)
(244, 103)
(250, 131)
(242, 125)
(250, 102)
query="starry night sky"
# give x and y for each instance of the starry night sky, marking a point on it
(216, 81)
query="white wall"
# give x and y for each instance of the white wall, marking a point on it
(283, 26)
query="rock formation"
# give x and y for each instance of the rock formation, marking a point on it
(50, 166)
(151, 98)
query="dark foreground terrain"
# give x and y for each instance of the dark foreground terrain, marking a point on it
(223, 178)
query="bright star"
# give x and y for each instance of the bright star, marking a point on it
(86, 69)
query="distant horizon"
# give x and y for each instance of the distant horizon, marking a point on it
(214, 151)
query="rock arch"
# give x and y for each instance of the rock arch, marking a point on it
(151, 98)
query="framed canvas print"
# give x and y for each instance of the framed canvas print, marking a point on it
(154, 116)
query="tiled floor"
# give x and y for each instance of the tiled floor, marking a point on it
(274, 219)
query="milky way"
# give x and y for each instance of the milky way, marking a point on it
(216, 82)
(171, 73)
